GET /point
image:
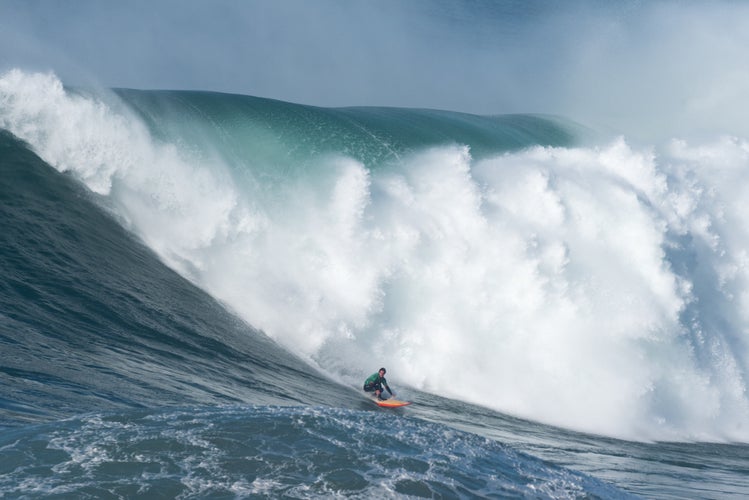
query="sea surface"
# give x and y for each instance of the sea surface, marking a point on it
(194, 285)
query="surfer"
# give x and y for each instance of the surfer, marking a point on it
(375, 382)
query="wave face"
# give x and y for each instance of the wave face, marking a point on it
(488, 259)
(91, 320)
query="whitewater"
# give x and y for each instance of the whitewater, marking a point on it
(522, 264)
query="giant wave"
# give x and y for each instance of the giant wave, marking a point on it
(502, 261)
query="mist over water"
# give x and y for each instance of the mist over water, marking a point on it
(651, 70)
(600, 288)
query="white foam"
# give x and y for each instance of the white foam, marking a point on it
(602, 289)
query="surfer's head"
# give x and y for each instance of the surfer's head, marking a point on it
(382, 372)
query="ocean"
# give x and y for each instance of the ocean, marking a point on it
(194, 286)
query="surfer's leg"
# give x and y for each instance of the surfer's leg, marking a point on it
(378, 391)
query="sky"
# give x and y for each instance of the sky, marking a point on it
(632, 65)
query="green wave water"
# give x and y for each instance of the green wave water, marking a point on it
(276, 136)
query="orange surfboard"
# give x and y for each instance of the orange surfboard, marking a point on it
(391, 403)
